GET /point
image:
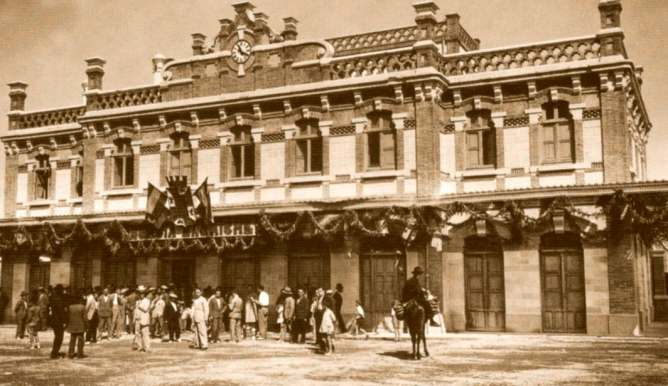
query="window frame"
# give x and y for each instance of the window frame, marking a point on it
(180, 145)
(310, 138)
(377, 127)
(124, 153)
(43, 168)
(245, 144)
(480, 124)
(554, 124)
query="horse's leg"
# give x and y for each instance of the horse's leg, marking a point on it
(417, 339)
(424, 342)
(413, 339)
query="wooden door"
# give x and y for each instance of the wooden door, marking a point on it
(238, 273)
(563, 292)
(380, 284)
(40, 275)
(119, 273)
(308, 271)
(485, 292)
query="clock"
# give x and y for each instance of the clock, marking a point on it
(241, 51)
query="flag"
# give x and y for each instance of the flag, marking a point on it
(181, 202)
(156, 210)
(202, 203)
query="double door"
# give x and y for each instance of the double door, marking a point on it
(382, 278)
(563, 291)
(308, 272)
(485, 292)
(239, 273)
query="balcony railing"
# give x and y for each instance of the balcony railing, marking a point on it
(125, 98)
(54, 117)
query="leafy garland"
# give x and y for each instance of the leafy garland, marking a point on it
(645, 215)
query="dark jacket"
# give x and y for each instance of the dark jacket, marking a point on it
(21, 309)
(77, 322)
(216, 312)
(105, 308)
(303, 308)
(172, 315)
(412, 290)
(338, 299)
(58, 308)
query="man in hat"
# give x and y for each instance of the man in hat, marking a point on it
(262, 304)
(143, 320)
(338, 302)
(172, 316)
(413, 291)
(43, 303)
(118, 313)
(200, 318)
(58, 310)
(288, 315)
(236, 305)
(157, 317)
(21, 311)
(217, 308)
(130, 302)
(92, 315)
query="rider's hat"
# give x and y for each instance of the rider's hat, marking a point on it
(418, 271)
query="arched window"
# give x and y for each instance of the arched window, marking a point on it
(380, 142)
(480, 140)
(124, 163)
(42, 177)
(180, 155)
(242, 153)
(309, 147)
(557, 132)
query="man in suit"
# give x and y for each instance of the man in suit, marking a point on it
(143, 319)
(413, 291)
(91, 315)
(200, 318)
(77, 324)
(172, 316)
(117, 313)
(21, 311)
(301, 318)
(338, 302)
(216, 311)
(262, 303)
(318, 313)
(105, 312)
(236, 304)
(58, 311)
(157, 317)
(43, 303)
(130, 302)
(288, 315)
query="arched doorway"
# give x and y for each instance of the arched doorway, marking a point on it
(564, 305)
(485, 288)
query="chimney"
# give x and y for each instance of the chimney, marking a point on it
(290, 31)
(95, 72)
(158, 68)
(17, 96)
(199, 42)
(243, 6)
(224, 32)
(260, 28)
(425, 19)
(611, 35)
(452, 30)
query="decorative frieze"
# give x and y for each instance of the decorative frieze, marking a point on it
(149, 149)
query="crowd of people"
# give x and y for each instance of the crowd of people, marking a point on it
(95, 314)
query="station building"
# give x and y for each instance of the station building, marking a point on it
(352, 160)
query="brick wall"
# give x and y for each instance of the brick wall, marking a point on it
(616, 145)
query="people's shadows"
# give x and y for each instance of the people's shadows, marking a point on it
(403, 355)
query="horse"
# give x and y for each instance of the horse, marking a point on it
(414, 317)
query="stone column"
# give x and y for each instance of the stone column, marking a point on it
(345, 269)
(61, 268)
(454, 295)
(521, 266)
(535, 146)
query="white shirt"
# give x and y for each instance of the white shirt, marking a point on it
(360, 312)
(264, 299)
(115, 302)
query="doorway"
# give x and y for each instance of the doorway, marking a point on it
(485, 289)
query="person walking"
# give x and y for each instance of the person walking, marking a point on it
(172, 316)
(288, 315)
(21, 312)
(105, 312)
(327, 326)
(200, 318)
(301, 317)
(117, 313)
(358, 321)
(338, 299)
(217, 308)
(43, 304)
(91, 315)
(262, 304)
(236, 304)
(58, 311)
(77, 324)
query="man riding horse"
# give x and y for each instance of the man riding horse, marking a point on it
(413, 291)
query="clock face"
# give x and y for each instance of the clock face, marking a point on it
(241, 51)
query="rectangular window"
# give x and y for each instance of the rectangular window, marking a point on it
(79, 181)
(381, 144)
(123, 167)
(42, 179)
(480, 148)
(309, 148)
(243, 161)
(557, 133)
(180, 158)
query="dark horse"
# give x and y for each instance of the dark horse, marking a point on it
(414, 317)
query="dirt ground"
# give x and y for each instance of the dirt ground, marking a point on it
(460, 359)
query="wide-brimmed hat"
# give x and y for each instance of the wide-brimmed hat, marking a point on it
(141, 288)
(287, 291)
(174, 296)
(163, 287)
(417, 270)
(151, 289)
(329, 292)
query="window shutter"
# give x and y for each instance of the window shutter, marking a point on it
(129, 170)
(473, 149)
(118, 171)
(316, 155)
(488, 147)
(249, 161)
(186, 162)
(388, 141)
(564, 141)
(373, 150)
(235, 162)
(300, 161)
(175, 164)
(548, 142)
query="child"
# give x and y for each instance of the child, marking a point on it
(327, 327)
(358, 322)
(280, 308)
(185, 317)
(396, 310)
(34, 322)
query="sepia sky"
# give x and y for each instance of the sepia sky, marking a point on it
(44, 42)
